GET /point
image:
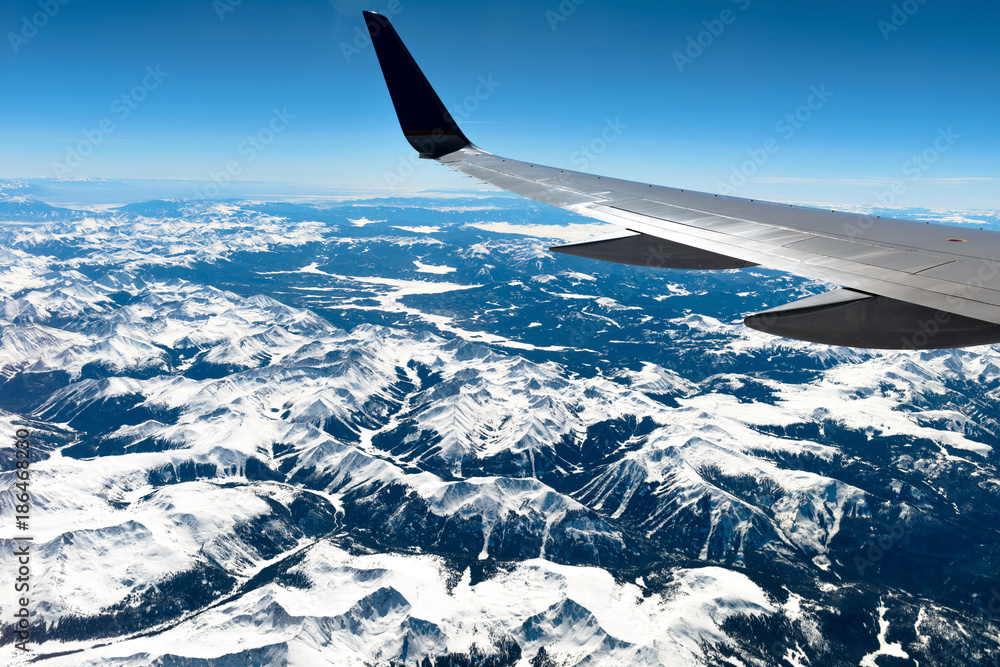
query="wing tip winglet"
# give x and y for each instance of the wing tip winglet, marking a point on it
(425, 121)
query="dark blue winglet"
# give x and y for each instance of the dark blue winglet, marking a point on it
(426, 123)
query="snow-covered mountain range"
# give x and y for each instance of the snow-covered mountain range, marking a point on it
(395, 431)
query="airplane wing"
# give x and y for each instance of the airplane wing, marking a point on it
(905, 284)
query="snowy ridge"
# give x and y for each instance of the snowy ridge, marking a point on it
(579, 614)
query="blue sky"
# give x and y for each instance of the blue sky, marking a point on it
(284, 91)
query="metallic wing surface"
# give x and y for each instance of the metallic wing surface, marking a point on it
(905, 284)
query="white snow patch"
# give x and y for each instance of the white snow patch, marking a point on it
(894, 650)
(361, 222)
(576, 275)
(430, 268)
(426, 229)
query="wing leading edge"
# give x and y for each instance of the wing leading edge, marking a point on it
(909, 285)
